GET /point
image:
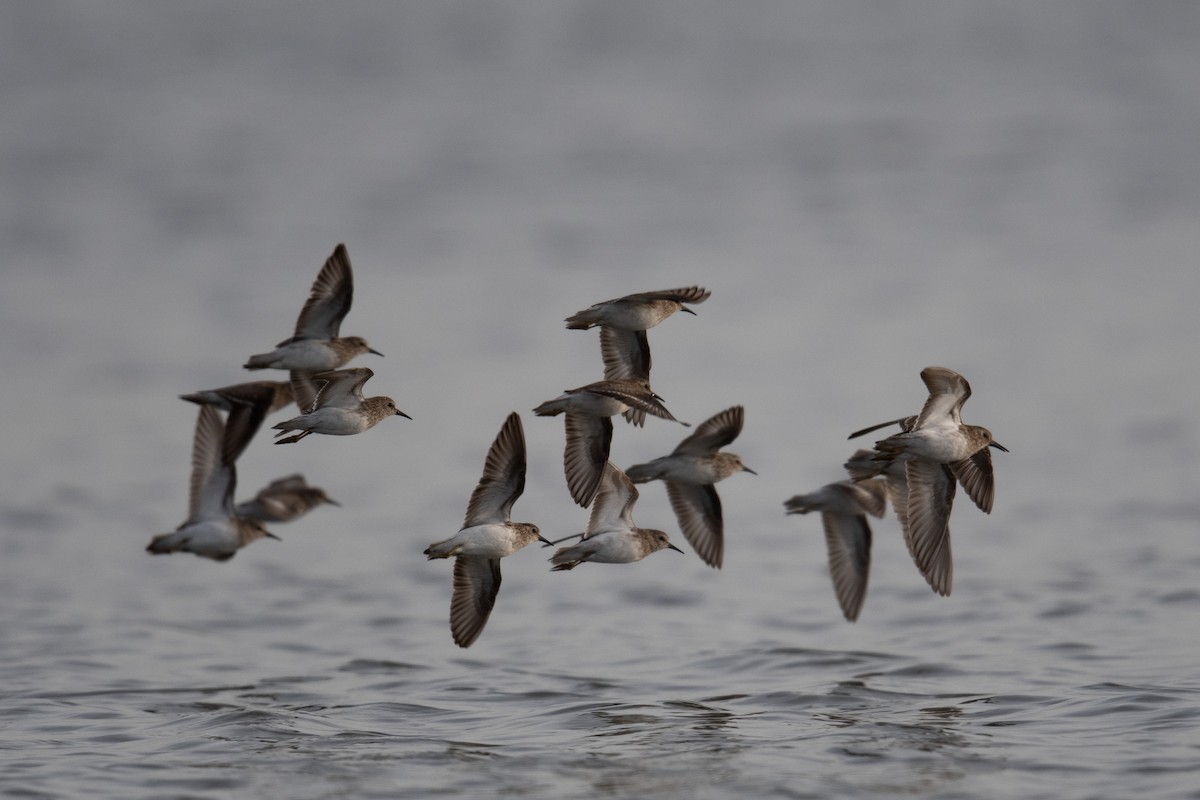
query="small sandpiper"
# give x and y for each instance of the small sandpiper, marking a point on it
(338, 407)
(689, 473)
(637, 312)
(938, 433)
(844, 506)
(284, 500)
(975, 472)
(589, 428)
(315, 346)
(936, 448)
(213, 529)
(487, 535)
(611, 536)
(623, 324)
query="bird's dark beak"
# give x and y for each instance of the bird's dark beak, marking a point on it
(270, 535)
(373, 350)
(673, 547)
(998, 446)
(747, 469)
(400, 413)
(688, 310)
(545, 542)
(333, 502)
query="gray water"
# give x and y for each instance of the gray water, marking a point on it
(1009, 190)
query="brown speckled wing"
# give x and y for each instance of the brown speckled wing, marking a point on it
(588, 441)
(626, 354)
(698, 512)
(634, 393)
(329, 299)
(213, 480)
(947, 392)
(848, 540)
(976, 476)
(342, 388)
(690, 294)
(930, 498)
(503, 478)
(476, 584)
(714, 433)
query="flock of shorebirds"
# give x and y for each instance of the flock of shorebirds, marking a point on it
(916, 469)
